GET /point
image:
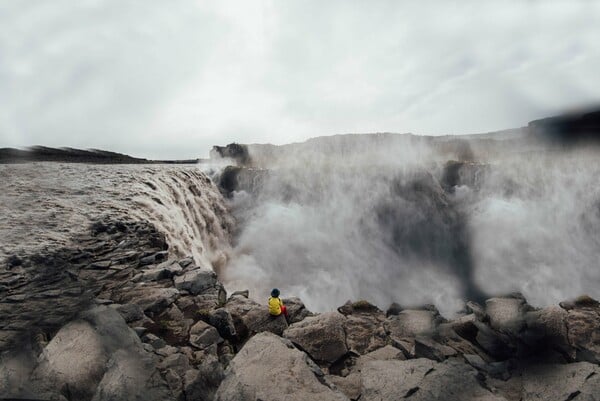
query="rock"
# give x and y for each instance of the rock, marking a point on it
(365, 332)
(422, 380)
(100, 265)
(494, 343)
(575, 381)
(202, 383)
(393, 310)
(13, 261)
(426, 347)
(321, 336)
(130, 312)
(583, 301)
(155, 341)
(196, 281)
(547, 329)
(78, 356)
(154, 258)
(185, 262)
(251, 317)
(221, 320)
(267, 368)
(130, 377)
(583, 326)
(349, 385)
(244, 293)
(202, 335)
(476, 309)
(507, 314)
(410, 323)
(152, 300)
(296, 309)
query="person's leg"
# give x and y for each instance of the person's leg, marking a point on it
(284, 311)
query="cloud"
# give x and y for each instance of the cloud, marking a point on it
(159, 81)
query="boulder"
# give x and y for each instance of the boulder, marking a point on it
(296, 309)
(203, 335)
(583, 326)
(251, 317)
(426, 347)
(574, 381)
(422, 380)
(130, 312)
(349, 385)
(151, 299)
(196, 281)
(98, 356)
(364, 332)
(203, 382)
(507, 314)
(410, 323)
(131, 376)
(547, 329)
(269, 368)
(221, 320)
(321, 336)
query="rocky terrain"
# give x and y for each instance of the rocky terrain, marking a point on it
(130, 322)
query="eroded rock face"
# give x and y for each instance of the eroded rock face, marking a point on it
(321, 336)
(269, 368)
(583, 325)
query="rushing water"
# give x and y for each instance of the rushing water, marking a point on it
(45, 205)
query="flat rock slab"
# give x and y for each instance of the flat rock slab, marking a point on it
(269, 368)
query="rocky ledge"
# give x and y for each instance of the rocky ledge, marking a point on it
(117, 318)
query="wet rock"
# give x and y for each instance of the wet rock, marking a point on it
(203, 335)
(196, 281)
(251, 377)
(321, 336)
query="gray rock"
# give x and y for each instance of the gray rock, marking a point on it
(203, 382)
(507, 314)
(243, 293)
(349, 385)
(130, 312)
(422, 380)
(547, 328)
(203, 335)
(154, 258)
(296, 309)
(221, 320)
(321, 336)
(196, 281)
(185, 262)
(576, 381)
(426, 347)
(365, 332)
(410, 323)
(131, 377)
(152, 300)
(252, 317)
(268, 368)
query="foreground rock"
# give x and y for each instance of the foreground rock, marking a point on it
(270, 368)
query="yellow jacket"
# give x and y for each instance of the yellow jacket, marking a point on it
(275, 305)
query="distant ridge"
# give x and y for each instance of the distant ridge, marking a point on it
(71, 155)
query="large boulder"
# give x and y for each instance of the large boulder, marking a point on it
(575, 381)
(203, 335)
(296, 309)
(321, 336)
(547, 329)
(152, 299)
(583, 326)
(196, 281)
(364, 327)
(98, 356)
(422, 380)
(251, 317)
(507, 314)
(411, 323)
(269, 368)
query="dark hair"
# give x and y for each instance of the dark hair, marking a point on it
(274, 292)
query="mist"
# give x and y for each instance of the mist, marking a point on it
(395, 218)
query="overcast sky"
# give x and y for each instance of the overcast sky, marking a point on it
(170, 79)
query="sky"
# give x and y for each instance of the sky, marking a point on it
(171, 79)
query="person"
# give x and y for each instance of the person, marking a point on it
(276, 306)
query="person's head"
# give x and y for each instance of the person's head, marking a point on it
(274, 292)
